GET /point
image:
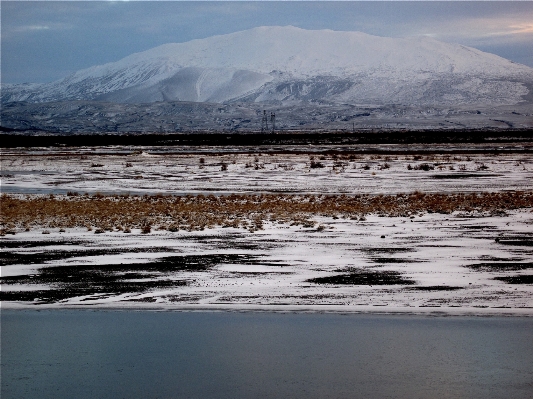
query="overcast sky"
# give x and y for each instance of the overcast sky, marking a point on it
(46, 40)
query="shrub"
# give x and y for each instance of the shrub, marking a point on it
(173, 228)
(235, 210)
(315, 165)
(425, 166)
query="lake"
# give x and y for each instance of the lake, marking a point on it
(149, 354)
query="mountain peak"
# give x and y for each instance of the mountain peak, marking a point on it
(287, 63)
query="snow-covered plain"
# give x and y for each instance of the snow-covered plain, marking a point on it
(422, 263)
(197, 170)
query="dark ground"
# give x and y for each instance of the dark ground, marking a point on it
(12, 139)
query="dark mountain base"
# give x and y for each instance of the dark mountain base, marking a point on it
(92, 117)
(12, 139)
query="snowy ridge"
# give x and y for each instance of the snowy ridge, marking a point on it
(293, 64)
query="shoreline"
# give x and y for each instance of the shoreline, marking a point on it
(276, 309)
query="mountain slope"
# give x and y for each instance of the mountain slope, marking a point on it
(288, 64)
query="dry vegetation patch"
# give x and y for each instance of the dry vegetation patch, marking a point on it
(111, 213)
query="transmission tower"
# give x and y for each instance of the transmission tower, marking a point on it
(273, 121)
(264, 122)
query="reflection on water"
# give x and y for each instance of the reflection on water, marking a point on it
(111, 354)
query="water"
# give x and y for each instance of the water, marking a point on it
(127, 354)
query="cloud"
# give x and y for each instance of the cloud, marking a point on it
(514, 30)
(40, 28)
(31, 28)
(476, 30)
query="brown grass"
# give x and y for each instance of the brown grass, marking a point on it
(174, 213)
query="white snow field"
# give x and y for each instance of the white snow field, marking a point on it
(289, 64)
(152, 170)
(458, 263)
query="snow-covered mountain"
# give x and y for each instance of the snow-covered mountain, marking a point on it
(293, 65)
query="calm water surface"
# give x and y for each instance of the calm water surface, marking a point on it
(126, 354)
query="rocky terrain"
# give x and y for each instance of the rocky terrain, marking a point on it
(183, 117)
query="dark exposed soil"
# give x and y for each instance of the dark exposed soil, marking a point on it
(393, 260)
(110, 286)
(248, 274)
(30, 258)
(435, 288)
(81, 280)
(387, 250)
(7, 244)
(525, 279)
(460, 175)
(196, 262)
(364, 278)
(149, 299)
(500, 266)
(476, 227)
(518, 241)
(232, 242)
(17, 258)
(183, 298)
